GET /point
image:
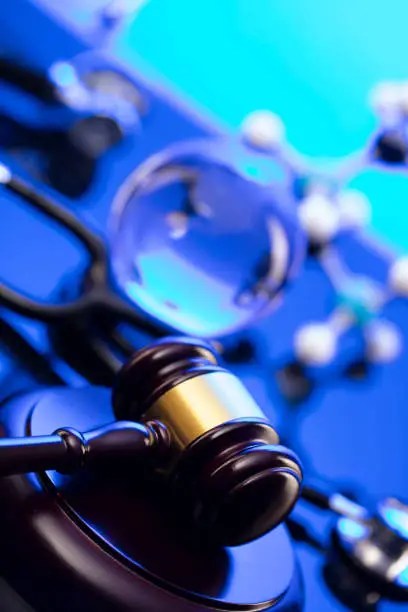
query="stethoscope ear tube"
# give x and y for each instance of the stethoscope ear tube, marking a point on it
(97, 296)
(31, 82)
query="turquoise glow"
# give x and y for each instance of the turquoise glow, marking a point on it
(352, 530)
(63, 74)
(397, 519)
(311, 62)
(402, 579)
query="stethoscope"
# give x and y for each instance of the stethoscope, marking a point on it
(78, 86)
(72, 115)
(97, 297)
(366, 559)
(61, 86)
(64, 89)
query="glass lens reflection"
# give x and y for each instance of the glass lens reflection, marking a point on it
(201, 241)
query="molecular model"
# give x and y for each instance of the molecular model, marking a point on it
(326, 211)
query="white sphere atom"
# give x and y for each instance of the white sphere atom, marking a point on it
(5, 174)
(387, 98)
(263, 130)
(315, 344)
(354, 209)
(383, 342)
(404, 98)
(319, 217)
(398, 276)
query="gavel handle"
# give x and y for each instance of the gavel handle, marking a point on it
(68, 450)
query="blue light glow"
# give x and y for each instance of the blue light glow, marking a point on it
(253, 171)
(63, 74)
(402, 579)
(351, 530)
(397, 518)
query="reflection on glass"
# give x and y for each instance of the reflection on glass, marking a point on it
(204, 236)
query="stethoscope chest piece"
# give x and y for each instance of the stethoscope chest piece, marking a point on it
(377, 545)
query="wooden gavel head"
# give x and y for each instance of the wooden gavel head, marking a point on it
(180, 413)
(224, 456)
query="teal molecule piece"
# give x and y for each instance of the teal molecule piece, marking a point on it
(361, 299)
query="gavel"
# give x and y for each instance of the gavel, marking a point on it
(180, 413)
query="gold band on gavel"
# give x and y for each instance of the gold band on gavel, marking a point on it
(200, 404)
